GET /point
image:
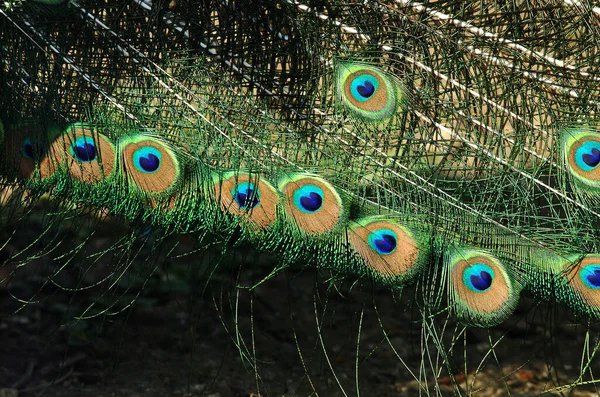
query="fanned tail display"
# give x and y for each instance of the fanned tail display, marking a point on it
(449, 149)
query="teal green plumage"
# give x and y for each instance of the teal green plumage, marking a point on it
(451, 148)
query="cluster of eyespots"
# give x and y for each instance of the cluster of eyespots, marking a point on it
(368, 91)
(482, 290)
(581, 151)
(310, 202)
(89, 156)
(315, 207)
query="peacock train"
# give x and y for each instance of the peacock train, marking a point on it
(449, 148)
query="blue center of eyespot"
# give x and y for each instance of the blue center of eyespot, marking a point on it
(592, 159)
(147, 159)
(587, 156)
(246, 195)
(363, 87)
(84, 149)
(366, 90)
(309, 198)
(478, 277)
(383, 241)
(27, 149)
(590, 276)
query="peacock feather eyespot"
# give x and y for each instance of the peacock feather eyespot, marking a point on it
(150, 163)
(586, 154)
(590, 275)
(383, 241)
(84, 149)
(363, 86)
(481, 289)
(31, 151)
(368, 91)
(87, 155)
(387, 247)
(147, 159)
(28, 149)
(581, 148)
(309, 198)
(478, 277)
(582, 277)
(23, 147)
(248, 196)
(312, 203)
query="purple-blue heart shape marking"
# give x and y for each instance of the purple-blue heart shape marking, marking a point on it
(594, 278)
(481, 281)
(366, 89)
(150, 162)
(592, 159)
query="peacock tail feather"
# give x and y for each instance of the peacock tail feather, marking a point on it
(447, 148)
